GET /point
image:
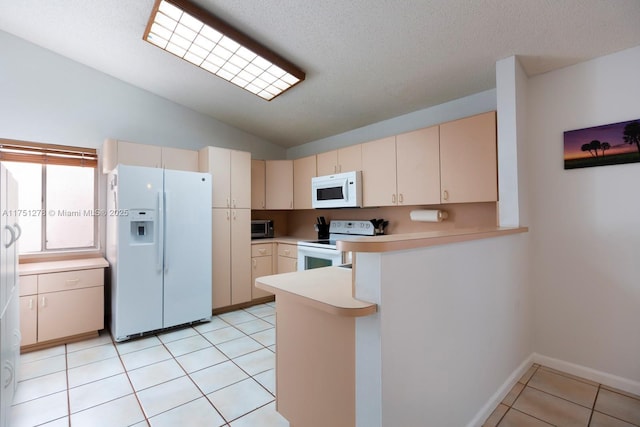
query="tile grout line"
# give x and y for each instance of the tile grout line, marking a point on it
(126, 372)
(593, 408)
(191, 379)
(532, 416)
(111, 342)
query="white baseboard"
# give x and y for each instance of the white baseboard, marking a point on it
(605, 378)
(500, 394)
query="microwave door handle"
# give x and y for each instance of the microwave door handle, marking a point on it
(345, 189)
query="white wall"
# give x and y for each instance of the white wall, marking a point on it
(456, 109)
(455, 325)
(585, 222)
(51, 99)
(511, 93)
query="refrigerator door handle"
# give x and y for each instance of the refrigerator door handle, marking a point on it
(160, 241)
(164, 232)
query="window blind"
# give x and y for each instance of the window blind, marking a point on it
(35, 152)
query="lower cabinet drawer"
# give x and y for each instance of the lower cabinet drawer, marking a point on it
(67, 280)
(28, 285)
(66, 313)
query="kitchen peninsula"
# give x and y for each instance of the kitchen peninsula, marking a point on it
(410, 291)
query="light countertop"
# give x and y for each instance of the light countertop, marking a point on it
(58, 266)
(285, 239)
(328, 289)
(397, 242)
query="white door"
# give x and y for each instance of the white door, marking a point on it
(187, 244)
(137, 289)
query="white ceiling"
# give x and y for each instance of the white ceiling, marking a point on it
(366, 60)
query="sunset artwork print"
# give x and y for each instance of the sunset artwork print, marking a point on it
(612, 144)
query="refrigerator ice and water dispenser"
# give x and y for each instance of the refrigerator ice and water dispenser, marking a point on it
(142, 222)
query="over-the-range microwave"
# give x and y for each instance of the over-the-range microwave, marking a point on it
(340, 190)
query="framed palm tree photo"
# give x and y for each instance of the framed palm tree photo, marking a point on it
(611, 144)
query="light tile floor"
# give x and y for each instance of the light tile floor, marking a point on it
(546, 397)
(219, 373)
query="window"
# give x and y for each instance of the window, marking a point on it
(57, 195)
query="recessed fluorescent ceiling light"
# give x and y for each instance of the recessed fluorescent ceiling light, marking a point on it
(197, 36)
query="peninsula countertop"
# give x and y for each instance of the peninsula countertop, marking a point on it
(397, 242)
(328, 289)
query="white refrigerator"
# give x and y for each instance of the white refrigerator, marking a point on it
(159, 249)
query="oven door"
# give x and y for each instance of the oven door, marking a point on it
(311, 257)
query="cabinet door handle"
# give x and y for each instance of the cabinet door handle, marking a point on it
(393, 199)
(262, 204)
(262, 251)
(30, 303)
(400, 198)
(445, 195)
(286, 251)
(335, 168)
(72, 282)
(228, 204)
(233, 202)
(255, 263)
(291, 204)
(44, 302)
(234, 215)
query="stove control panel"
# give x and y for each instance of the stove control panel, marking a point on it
(356, 227)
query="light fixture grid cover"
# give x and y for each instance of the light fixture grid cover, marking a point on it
(198, 37)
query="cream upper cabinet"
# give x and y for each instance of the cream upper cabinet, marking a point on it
(131, 153)
(229, 170)
(303, 170)
(179, 159)
(240, 182)
(258, 184)
(327, 163)
(418, 167)
(341, 160)
(279, 184)
(379, 172)
(350, 158)
(468, 160)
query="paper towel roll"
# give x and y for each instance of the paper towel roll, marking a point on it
(428, 215)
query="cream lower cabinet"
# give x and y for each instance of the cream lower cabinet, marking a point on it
(66, 313)
(29, 309)
(261, 265)
(287, 258)
(59, 305)
(231, 263)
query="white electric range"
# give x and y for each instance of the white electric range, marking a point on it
(323, 253)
